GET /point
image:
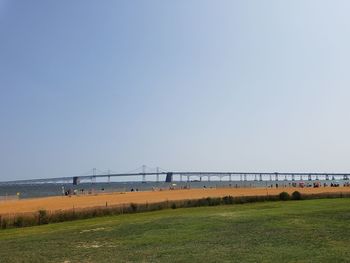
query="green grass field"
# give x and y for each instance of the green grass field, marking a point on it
(295, 231)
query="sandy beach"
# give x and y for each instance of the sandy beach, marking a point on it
(85, 201)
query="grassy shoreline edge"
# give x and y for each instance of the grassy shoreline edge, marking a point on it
(43, 217)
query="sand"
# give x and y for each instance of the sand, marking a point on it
(85, 201)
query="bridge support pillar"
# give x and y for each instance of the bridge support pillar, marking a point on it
(260, 177)
(245, 177)
(309, 177)
(230, 178)
(276, 176)
(293, 177)
(327, 177)
(255, 177)
(169, 177)
(75, 180)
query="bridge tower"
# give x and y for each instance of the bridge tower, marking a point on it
(109, 177)
(157, 174)
(143, 173)
(93, 178)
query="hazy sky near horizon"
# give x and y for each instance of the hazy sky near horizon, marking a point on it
(184, 85)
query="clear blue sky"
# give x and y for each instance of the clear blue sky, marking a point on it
(184, 85)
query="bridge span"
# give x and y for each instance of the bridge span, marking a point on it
(188, 176)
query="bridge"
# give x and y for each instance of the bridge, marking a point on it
(160, 175)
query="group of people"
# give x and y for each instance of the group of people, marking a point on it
(319, 184)
(309, 184)
(82, 191)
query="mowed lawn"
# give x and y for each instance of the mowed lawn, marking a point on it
(293, 231)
